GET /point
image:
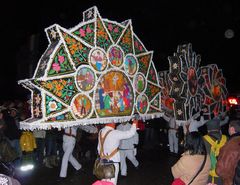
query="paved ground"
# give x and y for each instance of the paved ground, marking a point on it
(155, 166)
(154, 169)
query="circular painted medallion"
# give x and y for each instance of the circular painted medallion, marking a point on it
(139, 82)
(114, 95)
(130, 64)
(82, 106)
(115, 56)
(142, 103)
(98, 59)
(85, 78)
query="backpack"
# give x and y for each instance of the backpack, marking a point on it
(214, 152)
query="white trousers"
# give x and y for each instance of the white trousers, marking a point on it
(173, 140)
(68, 146)
(124, 154)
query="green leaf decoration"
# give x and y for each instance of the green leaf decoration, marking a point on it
(126, 41)
(86, 32)
(114, 30)
(78, 51)
(103, 39)
(60, 64)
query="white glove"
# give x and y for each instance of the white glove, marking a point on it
(135, 151)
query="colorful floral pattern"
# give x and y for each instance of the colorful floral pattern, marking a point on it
(86, 32)
(103, 39)
(79, 51)
(63, 88)
(126, 41)
(60, 64)
(144, 62)
(53, 106)
(114, 30)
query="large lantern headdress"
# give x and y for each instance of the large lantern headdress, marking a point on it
(96, 72)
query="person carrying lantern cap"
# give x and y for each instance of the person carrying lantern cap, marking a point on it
(112, 142)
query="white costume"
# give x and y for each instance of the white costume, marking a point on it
(112, 142)
(172, 131)
(69, 141)
(194, 124)
(127, 149)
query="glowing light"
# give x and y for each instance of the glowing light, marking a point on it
(233, 101)
(27, 167)
(229, 33)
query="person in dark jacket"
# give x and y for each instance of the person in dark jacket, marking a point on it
(213, 139)
(229, 156)
(13, 133)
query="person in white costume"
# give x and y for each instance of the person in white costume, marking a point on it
(112, 143)
(172, 133)
(69, 141)
(127, 148)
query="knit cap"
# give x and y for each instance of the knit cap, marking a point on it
(213, 124)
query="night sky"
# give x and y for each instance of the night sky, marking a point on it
(160, 25)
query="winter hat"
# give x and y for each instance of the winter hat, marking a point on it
(213, 124)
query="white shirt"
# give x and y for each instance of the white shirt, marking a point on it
(113, 139)
(127, 143)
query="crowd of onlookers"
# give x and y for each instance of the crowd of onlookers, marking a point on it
(44, 147)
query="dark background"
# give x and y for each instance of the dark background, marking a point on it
(161, 25)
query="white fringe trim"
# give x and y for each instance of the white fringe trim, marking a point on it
(33, 123)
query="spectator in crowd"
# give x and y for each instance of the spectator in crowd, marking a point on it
(40, 141)
(127, 148)
(214, 140)
(50, 159)
(13, 133)
(7, 180)
(228, 160)
(191, 161)
(111, 144)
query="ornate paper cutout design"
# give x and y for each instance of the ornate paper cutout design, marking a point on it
(89, 75)
(130, 64)
(86, 32)
(85, 78)
(138, 46)
(98, 59)
(37, 104)
(142, 103)
(184, 75)
(139, 82)
(82, 106)
(53, 106)
(114, 30)
(114, 95)
(167, 101)
(115, 56)
(214, 91)
(60, 64)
